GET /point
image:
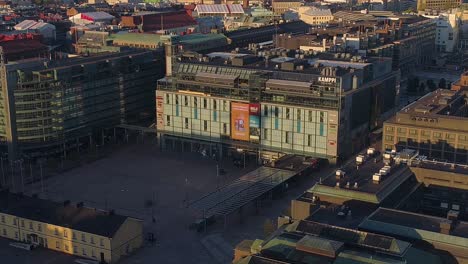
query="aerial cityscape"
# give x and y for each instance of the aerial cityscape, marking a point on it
(243, 132)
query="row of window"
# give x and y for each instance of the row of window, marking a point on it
(56, 231)
(426, 133)
(186, 100)
(76, 250)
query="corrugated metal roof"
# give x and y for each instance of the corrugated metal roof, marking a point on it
(220, 9)
(97, 15)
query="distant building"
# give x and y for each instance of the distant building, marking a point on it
(315, 16)
(68, 228)
(462, 83)
(435, 125)
(438, 4)
(448, 32)
(63, 120)
(92, 17)
(45, 29)
(83, 9)
(281, 6)
(219, 10)
(178, 22)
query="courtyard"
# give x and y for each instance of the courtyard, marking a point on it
(141, 181)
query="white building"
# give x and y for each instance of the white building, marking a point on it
(91, 18)
(448, 30)
(47, 30)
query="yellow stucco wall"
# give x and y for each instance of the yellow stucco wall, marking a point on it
(57, 238)
(127, 239)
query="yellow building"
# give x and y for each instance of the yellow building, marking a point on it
(437, 4)
(281, 6)
(315, 16)
(72, 229)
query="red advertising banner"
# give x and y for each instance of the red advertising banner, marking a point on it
(240, 121)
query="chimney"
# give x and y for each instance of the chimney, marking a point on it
(445, 226)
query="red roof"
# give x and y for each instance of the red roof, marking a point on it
(154, 22)
(23, 48)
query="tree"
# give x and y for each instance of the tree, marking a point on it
(430, 85)
(422, 88)
(442, 83)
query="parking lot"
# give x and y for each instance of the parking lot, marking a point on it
(135, 174)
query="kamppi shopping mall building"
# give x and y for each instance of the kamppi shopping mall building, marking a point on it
(225, 103)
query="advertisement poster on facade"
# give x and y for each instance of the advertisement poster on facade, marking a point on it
(159, 112)
(240, 121)
(254, 122)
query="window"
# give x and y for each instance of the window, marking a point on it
(389, 138)
(168, 100)
(14, 221)
(215, 105)
(83, 252)
(168, 120)
(186, 122)
(401, 130)
(450, 136)
(31, 225)
(39, 227)
(75, 249)
(437, 135)
(65, 233)
(56, 232)
(322, 117)
(205, 125)
(265, 133)
(16, 234)
(57, 244)
(22, 223)
(185, 100)
(224, 106)
(462, 137)
(93, 254)
(83, 237)
(309, 140)
(286, 137)
(425, 133)
(92, 240)
(3, 219)
(298, 114)
(276, 111)
(287, 113)
(195, 102)
(66, 247)
(389, 129)
(310, 115)
(265, 110)
(101, 242)
(74, 235)
(205, 103)
(412, 132)
(224, 128)
(4, 232)
(177, 99)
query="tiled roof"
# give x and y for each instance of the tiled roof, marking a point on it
(160, 21)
